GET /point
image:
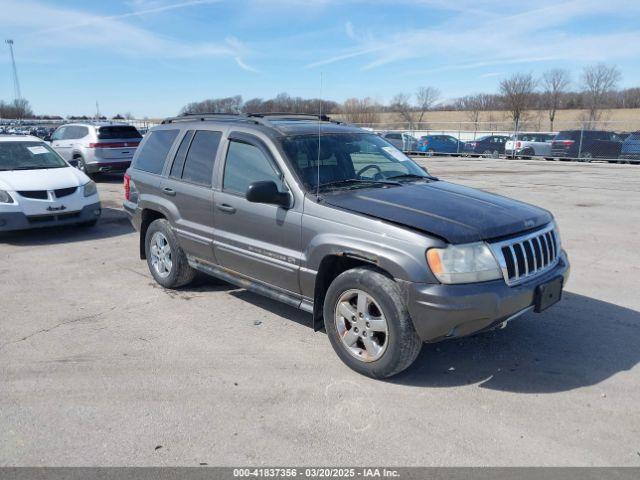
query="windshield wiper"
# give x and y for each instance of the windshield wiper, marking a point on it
(410, 176)
(347, 182)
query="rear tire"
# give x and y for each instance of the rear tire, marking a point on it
(395, 346)
(82, 166)
(166, 260)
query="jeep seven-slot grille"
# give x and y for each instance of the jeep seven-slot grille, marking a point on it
(527, 256)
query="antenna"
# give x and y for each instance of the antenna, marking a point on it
(16, 83)
(319, 132)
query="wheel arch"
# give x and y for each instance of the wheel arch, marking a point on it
(330, 267)
(148, 215)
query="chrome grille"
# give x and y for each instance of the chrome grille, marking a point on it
(524, 257)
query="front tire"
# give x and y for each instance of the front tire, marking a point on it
(368, 323)
(166, 260)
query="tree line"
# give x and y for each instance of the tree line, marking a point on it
(595, 90)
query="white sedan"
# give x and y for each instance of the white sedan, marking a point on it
(38, 188)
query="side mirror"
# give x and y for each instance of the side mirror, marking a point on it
(267, 192)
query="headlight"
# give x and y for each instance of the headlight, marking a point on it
(90, 188)
(5, 197)
(468, 263)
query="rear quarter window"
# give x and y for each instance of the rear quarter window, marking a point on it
(153, 153)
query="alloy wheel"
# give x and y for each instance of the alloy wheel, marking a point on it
(361, 325)
(161, 259)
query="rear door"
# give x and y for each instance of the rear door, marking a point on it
(188, 187)
(257, 240)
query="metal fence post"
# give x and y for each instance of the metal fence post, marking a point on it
(580, 144)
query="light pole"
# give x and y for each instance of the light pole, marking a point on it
(16, 83)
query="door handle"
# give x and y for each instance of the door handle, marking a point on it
(226, 208)
(169, 191)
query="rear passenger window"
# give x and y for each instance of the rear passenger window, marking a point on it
(246, 164)
(181, 155)
(150, 158)
(198, 166)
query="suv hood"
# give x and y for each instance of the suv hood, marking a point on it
(42, 179)
(455, 213)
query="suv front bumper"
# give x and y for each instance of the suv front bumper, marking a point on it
(447, 311)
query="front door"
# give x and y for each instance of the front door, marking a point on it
(257, 240)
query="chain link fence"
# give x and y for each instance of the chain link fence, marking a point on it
(577, 141)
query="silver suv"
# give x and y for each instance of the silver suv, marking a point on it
(97, 147)
(335, 221)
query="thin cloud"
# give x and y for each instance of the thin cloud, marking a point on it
(244, 66)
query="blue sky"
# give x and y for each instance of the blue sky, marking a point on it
(150, 57)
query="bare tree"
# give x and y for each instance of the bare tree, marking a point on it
(362, 111)
(517, 92)
(401, 103)
(18, 109)
(215, 105)
(474, 105)
(598, 82)
(425, 98)
(555, 83)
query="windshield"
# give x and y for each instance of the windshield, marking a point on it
(28, 156)
(350, 159)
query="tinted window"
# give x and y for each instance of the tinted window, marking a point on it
(181, 155)
(73, 132)
(568, 135)
(152, 155)
(198, 166)
(117, 132)
(394, 136)
(246, 164)
(58, 134)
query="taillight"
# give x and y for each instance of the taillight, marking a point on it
(518, 144)
(127, 186)
(568, 142)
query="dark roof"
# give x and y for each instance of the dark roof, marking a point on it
(279, 124)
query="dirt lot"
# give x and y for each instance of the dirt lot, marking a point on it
(100, 366)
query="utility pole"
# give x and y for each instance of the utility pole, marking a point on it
(97, 111)
(16, 83)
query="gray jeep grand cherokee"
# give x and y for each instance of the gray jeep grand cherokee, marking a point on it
(332, 219)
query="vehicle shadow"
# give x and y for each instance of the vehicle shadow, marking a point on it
(579, 342)
(112, 223)
(108, 177)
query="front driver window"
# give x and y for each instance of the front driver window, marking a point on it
(246, 164)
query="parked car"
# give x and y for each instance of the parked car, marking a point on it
(527, 145)
(630, 149)
(586, 145)
(39, 189)
(402, 141)
(341, 225)
(489, 146)
(433, 144)
(97, 147)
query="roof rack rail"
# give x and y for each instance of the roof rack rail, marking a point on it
(189, 117)
(289, 116)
